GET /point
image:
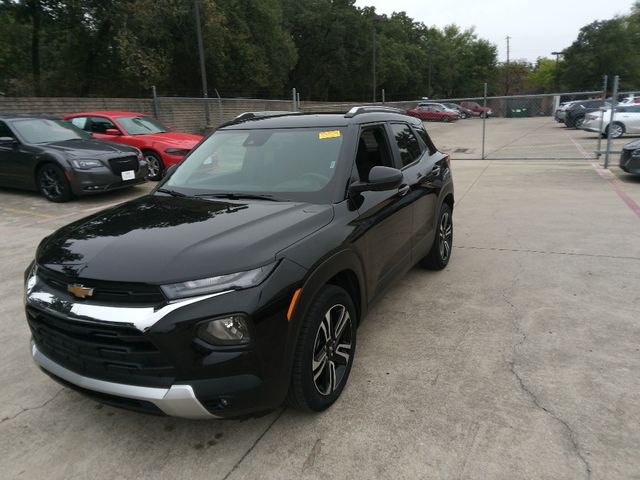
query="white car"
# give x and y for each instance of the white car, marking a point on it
(625, 120)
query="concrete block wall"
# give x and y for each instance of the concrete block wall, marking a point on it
(183, 114)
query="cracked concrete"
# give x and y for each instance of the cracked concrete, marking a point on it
(519, 361)
(29, 409)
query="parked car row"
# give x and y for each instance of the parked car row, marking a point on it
(88, 152)
(448, 112)
(594, 116)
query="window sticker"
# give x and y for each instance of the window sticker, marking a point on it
(329, 134)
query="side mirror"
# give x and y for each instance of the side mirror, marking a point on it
(112, 131)
(8, 141)
(380, 179)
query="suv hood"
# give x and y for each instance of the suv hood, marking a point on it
(158, 240)
(90, 149)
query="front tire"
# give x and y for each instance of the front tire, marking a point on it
(578, 122)
(325, 350)
(156, 166)
(446, 119)
(53, 184)
(440, 253)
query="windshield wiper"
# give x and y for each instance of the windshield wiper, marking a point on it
(239, 196)
(173, 193)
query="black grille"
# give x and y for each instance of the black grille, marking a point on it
(626, 157)
(107, 292)
(119, 165)
(115, 353)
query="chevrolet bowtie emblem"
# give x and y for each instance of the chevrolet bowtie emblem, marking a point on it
(80, 291)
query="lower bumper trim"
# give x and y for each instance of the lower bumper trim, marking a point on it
(177, 401)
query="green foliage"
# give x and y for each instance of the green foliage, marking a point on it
(610, 47)
(263, 48)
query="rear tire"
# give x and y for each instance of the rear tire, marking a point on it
(617, 130)
(325, 350)
(53, 184)
(440, 253)
(446, 119)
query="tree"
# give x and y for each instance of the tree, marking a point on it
(609, 47)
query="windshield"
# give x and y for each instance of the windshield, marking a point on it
(141, 125)
(288, 164)
(43, 130)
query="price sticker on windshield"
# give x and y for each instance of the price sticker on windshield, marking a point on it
(329, 134)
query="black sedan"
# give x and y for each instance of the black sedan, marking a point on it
(630, 158)
(242, 278)
(59, 160)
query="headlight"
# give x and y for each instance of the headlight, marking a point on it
(231, 330)
(177, 151)
(204, 286)
(86, 164)
(636, 153)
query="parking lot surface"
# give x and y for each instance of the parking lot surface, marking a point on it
(520, 360)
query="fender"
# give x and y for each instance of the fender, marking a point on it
(316, 278)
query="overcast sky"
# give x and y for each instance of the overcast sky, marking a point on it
(537, 27)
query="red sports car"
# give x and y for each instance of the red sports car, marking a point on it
(160, 146)
(433, 113)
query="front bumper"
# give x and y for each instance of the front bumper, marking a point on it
(84, 182)
(629, 162)
(177, 401)
(149, 358)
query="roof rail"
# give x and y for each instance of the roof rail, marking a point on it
(372, 109)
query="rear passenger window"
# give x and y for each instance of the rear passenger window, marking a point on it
(422, 133)
(80, 122)
(407, 143)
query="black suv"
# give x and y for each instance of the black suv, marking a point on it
(575, 114)
(242, 278)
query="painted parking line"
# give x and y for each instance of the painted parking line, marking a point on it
(26, 212)
(610, 178)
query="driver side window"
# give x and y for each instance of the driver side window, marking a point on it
(101, 124)
(373, 150)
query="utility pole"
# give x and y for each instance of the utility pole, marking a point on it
(506, 90)
(203, 71)
(374, 62)
(557, 54)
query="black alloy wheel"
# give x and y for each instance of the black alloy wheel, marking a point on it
(156, 166)
(325, 350)
(53, 184)
(440, 253)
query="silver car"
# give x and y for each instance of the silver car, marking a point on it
(625, 120)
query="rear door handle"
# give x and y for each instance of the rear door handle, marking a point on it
(403, 190)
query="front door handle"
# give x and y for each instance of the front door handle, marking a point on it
(403, 190)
